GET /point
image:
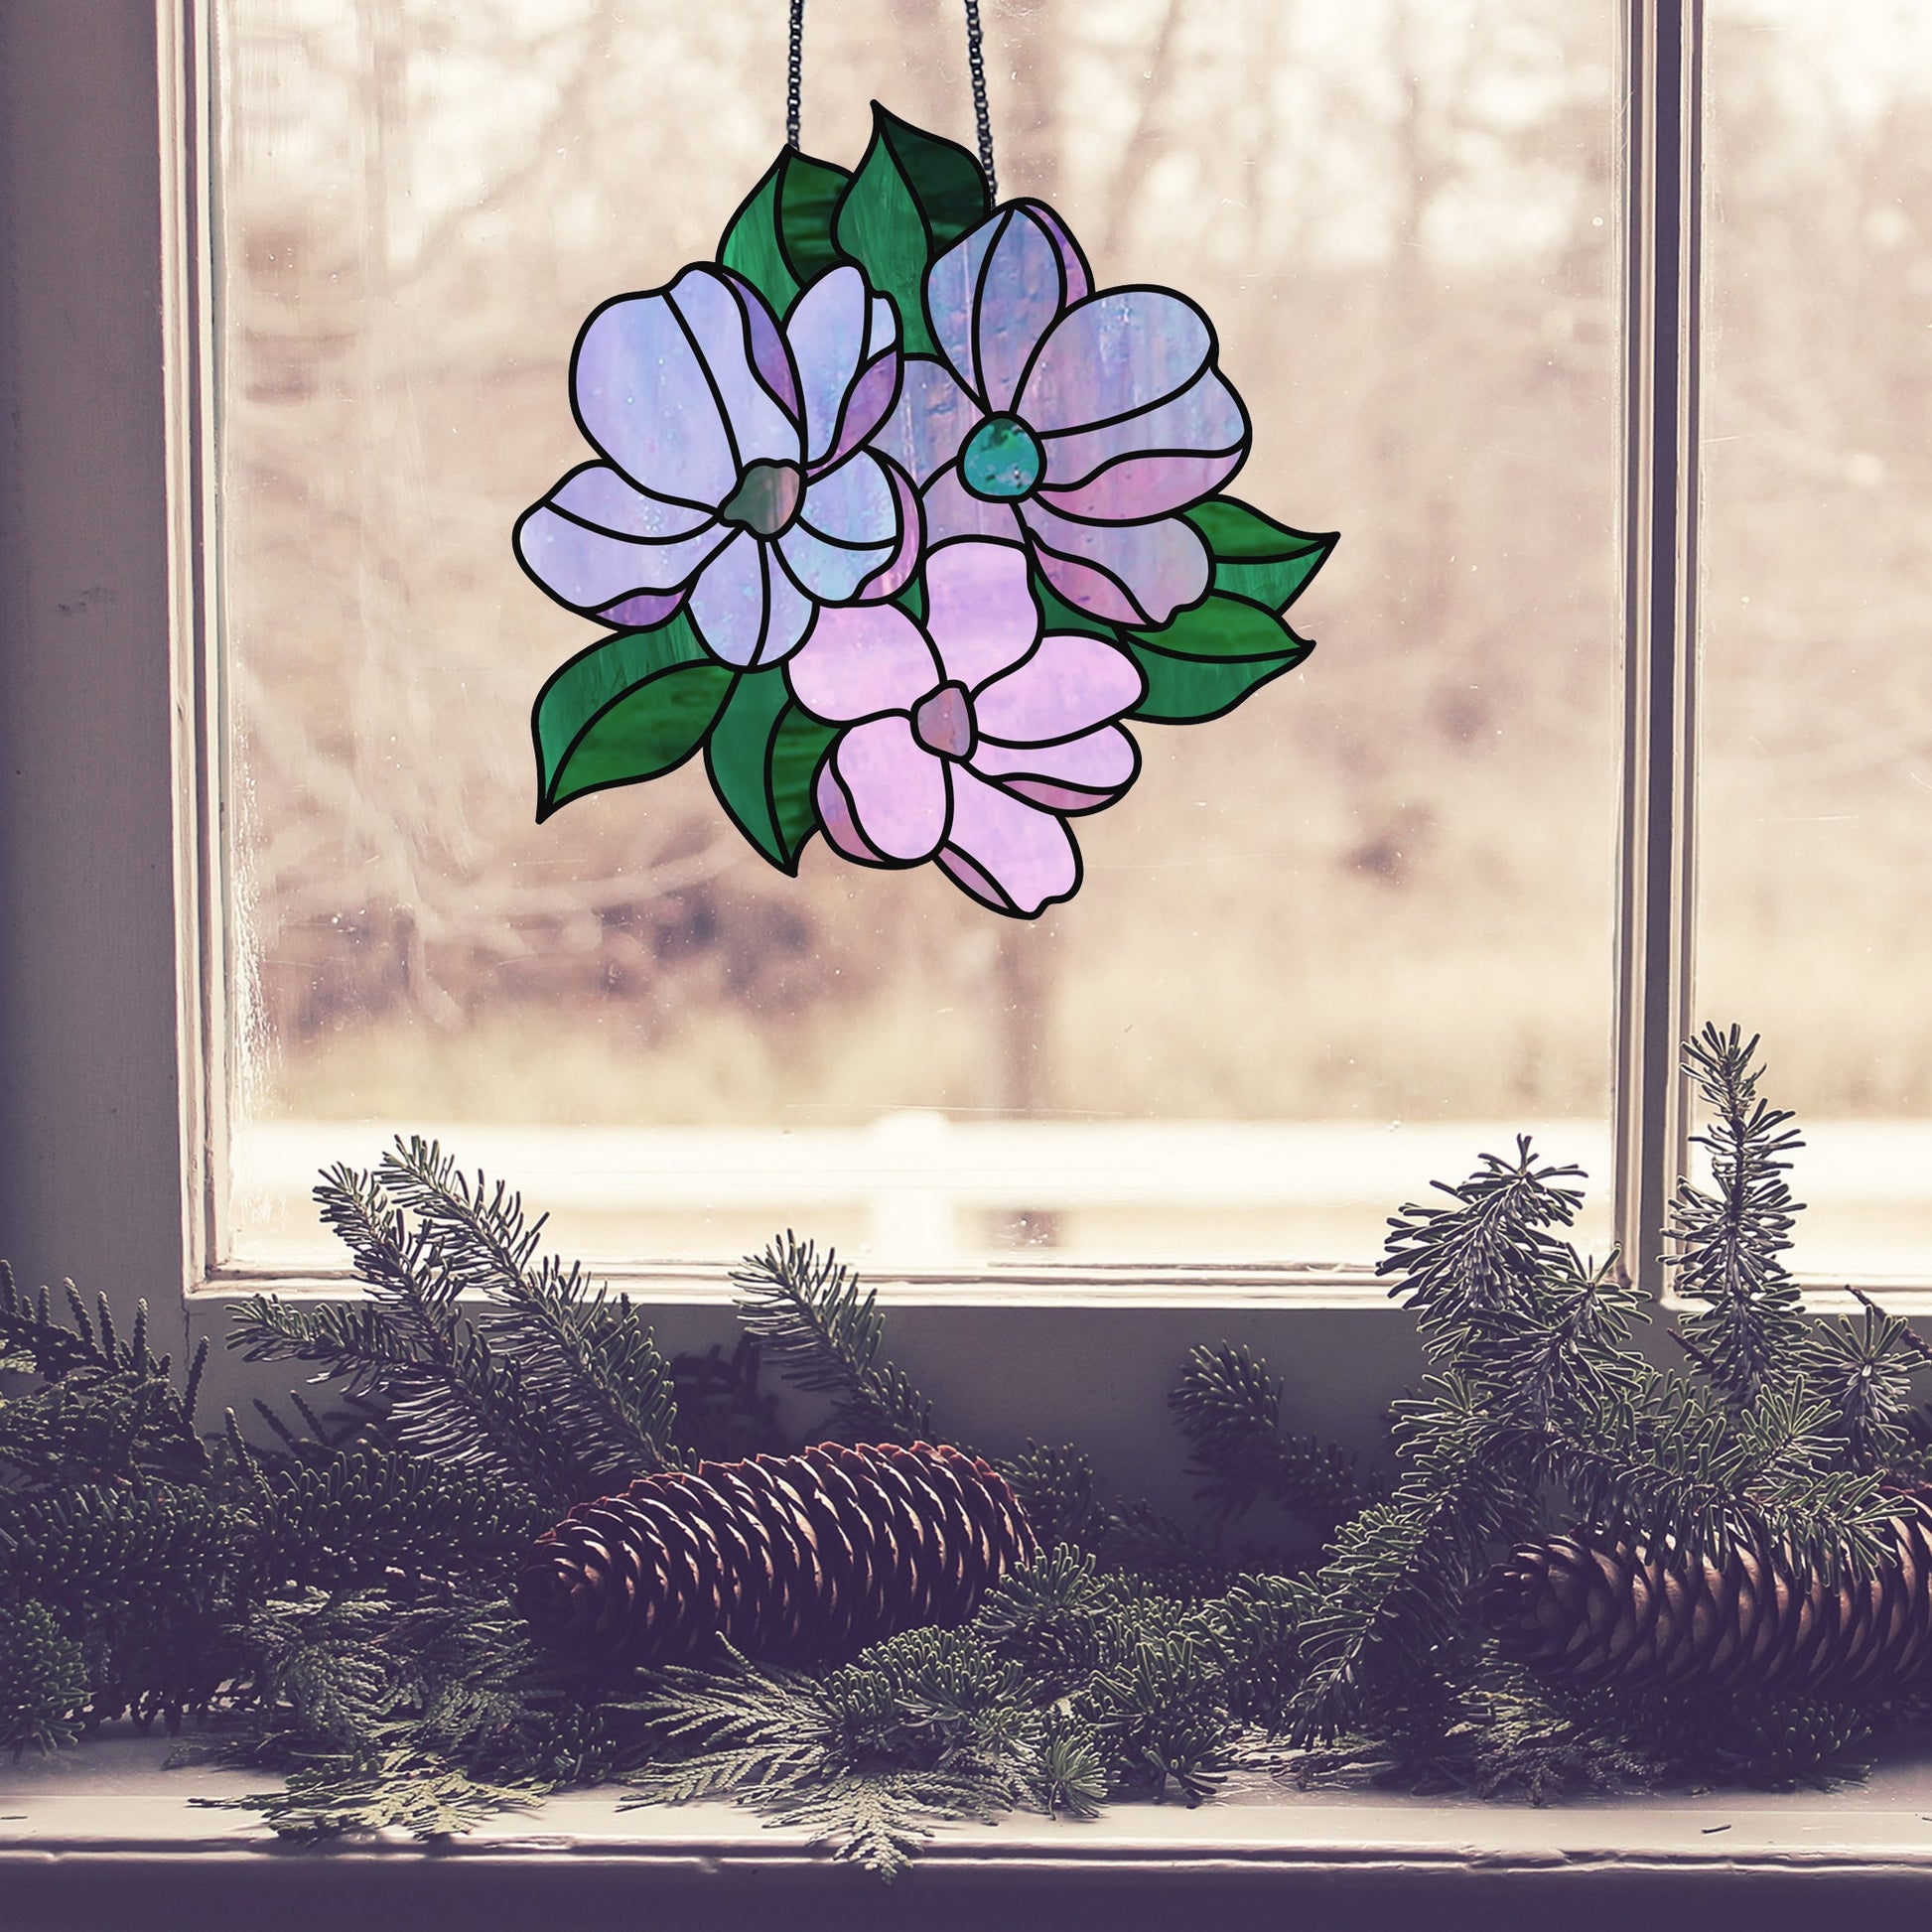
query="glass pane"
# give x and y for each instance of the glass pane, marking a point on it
(1330, 947)
(1817, 770)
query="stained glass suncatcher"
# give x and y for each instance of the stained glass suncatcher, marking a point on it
(902, 523)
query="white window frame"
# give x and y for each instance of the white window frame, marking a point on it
(112, 966)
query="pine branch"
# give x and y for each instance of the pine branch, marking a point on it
(91, 1544)
(107, 1407)
(1055, 1483)
(1392, 1599)
(549, 1386)
(357, 1345)
(1480, 1256)
(1677, 1464)
(399, 1266)
(808, 1315)
(44, 1689)
(1230, 1410)
(1514, 1327)
(333, 1796)
(1160, 1714)
(1139, 1541)
(365, 1512)
(1865, 1370)
(587, 1359)
(880, 1821)
(1728, 1243)
(1565, 1349)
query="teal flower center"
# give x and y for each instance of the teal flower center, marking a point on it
(1002, 459)
(766, 501)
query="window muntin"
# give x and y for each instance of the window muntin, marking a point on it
(1328, 945)
(1816, 765)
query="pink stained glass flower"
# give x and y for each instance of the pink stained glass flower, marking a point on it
(1076, 422)
(969, 740)
(734, 481)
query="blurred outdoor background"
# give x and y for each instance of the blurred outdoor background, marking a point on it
(1328, 947)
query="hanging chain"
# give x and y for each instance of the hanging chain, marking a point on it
(975, 62)
(982, 113)
(795, 75)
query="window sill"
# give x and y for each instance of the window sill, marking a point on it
(101, 1838)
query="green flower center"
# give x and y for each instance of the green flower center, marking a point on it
(1002, 459)
(766, 501)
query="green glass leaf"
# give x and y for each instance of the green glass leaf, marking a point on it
(1223, 628)
(912, 195)
(781, 238)
(1255, 557)
(630, 708)
(808, 199)
(1191, 690)
(1209, 658)
(763, 755)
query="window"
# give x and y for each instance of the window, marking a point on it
(121, 801)
(1816, 773)
(1235, 1043)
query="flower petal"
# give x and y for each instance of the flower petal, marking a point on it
(863, 660)
(980, 609)
(854, 504)
(898, 567)
(642, 398)
(601, 496)
(951, 288)
(1129, 573)
(1114, 355)
(717, 307)
(994, 292)
(831, 573)
(933, 418)
(835, 815)
(896, 788)
(590, 567)
(1141, 486)
(769, 355)
(1004, 852)
(1079, 277)
(869, 404)
(952, 510)
(1068, 685)
(1023, 288)
(1152, 462)
(642, 611)
(850, 530)
(835, 331)
(1080, 774)
(747, 609)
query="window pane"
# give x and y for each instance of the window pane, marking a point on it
(1330, 946)
(1817, 772)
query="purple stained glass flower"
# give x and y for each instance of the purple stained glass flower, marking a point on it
(970, 739)
(734, 473)
(1076, 422)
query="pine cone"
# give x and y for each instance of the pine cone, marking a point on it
(788, 1558)
(1592, 1611)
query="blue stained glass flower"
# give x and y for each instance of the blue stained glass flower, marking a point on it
(1076, 422)
(734, 476)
